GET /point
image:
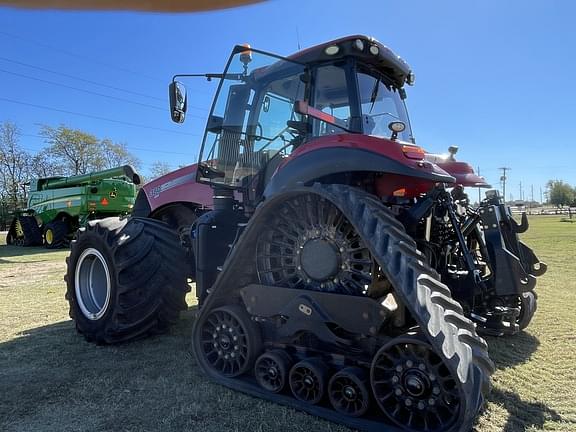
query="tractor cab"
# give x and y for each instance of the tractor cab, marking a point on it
(266, 106)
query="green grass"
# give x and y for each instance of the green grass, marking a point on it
(52, 380)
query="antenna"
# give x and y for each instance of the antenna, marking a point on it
(298, 38)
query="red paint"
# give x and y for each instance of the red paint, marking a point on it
(464, 173)
(381, 146)
(179, 186)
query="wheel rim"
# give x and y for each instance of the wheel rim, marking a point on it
(307, 381)
(311, 245)
(92, 284)
(271, 370)
(413, 387)
(225, 342)
(49, 236)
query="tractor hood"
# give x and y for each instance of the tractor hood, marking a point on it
(461, 171)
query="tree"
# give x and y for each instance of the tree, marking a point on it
(14, 165)
(77, 152)
(116, 154)
(159, 168)
(43, 164)
(560, 193)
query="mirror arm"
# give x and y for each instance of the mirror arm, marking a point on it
(210, 76)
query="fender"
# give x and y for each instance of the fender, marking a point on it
(324, 161)
(176, 186)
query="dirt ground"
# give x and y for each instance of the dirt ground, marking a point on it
(52, 380)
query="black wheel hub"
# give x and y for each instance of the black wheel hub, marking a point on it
(416, 383)
(349, 393)
(319, 259)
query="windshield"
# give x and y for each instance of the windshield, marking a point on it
(381, 104)
(248, 128)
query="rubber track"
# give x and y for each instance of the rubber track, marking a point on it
(419, 288)
(416, 284)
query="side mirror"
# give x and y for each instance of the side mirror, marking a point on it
(178, 103)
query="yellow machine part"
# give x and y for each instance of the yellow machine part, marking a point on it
(18, 229)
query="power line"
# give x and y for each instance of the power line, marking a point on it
(79, 89)
(91, 92)
(95, 117)
(74, 77)
(80, 56)
(128, 146)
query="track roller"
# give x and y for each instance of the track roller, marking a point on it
(348, 392)
(308, 380)
(271, 370)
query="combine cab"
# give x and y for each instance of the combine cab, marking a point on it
(339, 268)
(58, 206)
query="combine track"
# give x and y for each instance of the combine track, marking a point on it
(440, 318)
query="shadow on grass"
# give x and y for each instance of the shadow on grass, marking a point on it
(523, 415)
(509, 351)
(19, 251)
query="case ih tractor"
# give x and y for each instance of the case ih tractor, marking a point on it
(57, 206)
(339, 269)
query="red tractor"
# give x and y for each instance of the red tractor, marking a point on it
(339, 268)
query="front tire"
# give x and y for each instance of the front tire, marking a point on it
(126, 279)
(54, 234)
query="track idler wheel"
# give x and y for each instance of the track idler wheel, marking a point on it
(413, 387)
(348, 392)
(230, 341)
(527, 303)
(308, 380)
(271, 370)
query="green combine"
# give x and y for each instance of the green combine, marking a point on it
(58, 206)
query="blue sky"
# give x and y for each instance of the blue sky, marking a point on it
(496, 78)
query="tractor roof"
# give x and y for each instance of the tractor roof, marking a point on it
(366, 48)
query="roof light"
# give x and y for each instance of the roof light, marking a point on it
(332, 50)
(374, 50)
(359, 44)
(246, 55)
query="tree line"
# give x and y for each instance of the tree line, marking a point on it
(561, 193)
(67, 152)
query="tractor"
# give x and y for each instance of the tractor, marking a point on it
(339, 268)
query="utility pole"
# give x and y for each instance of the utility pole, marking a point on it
(503, 180)
(531, 197)
(479, 194)
(521, 197)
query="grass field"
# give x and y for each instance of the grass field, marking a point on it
(51, 380)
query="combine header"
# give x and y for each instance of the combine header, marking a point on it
(339, 268)
(58, 206)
